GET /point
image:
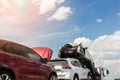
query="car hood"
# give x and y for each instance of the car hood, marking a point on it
(44, 52)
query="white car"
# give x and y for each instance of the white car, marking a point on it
(70, 69)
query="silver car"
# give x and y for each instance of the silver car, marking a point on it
(70, 69)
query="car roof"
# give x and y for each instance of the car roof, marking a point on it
(60, 59)
(3, 42)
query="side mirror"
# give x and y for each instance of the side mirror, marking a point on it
(44, 60)
(107, 71)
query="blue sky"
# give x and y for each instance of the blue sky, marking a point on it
(53, 23)
(87, 11)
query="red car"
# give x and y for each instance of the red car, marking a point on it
(18, 62)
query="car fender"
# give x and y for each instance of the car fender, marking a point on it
(3, 65)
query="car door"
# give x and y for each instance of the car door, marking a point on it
(39, 69)
(78, 68)
(29, 65)
(31, 70)
(83, 72)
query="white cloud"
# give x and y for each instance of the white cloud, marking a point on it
(46, 6)
(99, 20)
(118, 14)
(53, 10)
(33, 36)
(85, 41)
(105, 51)
(61, 1)
(30, 26)
(61, 14)
(16, 27)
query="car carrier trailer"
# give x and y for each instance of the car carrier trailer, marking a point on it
(81, 53)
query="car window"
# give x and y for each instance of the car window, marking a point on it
(58, 62)
(15, 49)
(20, 50)
(34, 56)
(25, 52)
(76, 63)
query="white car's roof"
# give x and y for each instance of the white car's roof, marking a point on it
(68, 59)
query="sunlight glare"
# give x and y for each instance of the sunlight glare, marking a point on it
(18, 11)
(20, 3)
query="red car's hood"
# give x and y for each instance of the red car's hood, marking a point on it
(44, 52)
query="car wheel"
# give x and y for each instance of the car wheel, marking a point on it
(4, 75)
(76, 77)
(53, 77)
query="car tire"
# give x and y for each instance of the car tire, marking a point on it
(75, 77)
(5, 75)
(52, 77)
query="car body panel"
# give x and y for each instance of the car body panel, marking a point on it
(70, 70)
(23, 66)
(44, 52)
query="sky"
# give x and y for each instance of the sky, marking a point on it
(53, 23)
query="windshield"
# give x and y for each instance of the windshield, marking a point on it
(58, 62)
(34, 56)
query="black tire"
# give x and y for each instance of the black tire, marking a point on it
(5, 75)
(75, 77)
(52, 77)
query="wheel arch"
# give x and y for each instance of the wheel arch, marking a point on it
(52, 73)
(76, 74)
(9, 70)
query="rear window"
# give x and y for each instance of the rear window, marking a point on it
(76, 63)
(58, 62)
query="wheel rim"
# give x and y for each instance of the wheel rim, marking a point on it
(5, 77)
(76, 78)
(52, 78)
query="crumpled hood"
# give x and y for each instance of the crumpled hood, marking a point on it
(44, 52)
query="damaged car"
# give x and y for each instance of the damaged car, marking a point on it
(18, 62)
